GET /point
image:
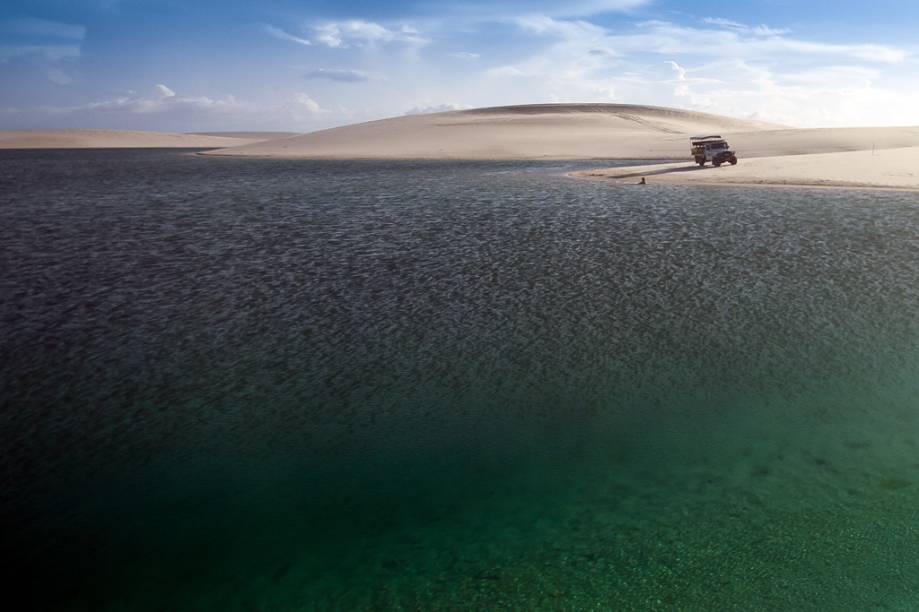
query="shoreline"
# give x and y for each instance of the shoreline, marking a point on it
(419, 158)
(582, 175)
(893, 169)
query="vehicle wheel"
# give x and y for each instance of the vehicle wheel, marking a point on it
(701, 163)
(716, 164)
(733, 161)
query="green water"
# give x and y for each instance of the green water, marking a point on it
(739, 507)
(262, 385)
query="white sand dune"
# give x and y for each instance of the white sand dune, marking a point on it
(254, 136)
(819, 140)
(770, 154)
(102, 139)
(888, 168)
(541, 131)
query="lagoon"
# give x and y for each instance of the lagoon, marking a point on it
(267, 384)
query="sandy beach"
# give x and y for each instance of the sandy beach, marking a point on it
(880, 168)
(124, 139)
(769, 154)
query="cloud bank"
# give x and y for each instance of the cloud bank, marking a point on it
(428, 57)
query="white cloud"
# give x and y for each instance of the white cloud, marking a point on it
(532, 51)
(282, 35)
(338, 75)
(52, 41)
(559, 28)
(307, 103)
(725, 67)
(670, 39)
(576, 48)
(724, 23)
(51, 46)
(760, 30)
(164, 100)
(822, 96)
(358, 33)
(582, 49)
(165, 109)
(32, 27)
(52, 53)
(436, 108)
(59, 77)
(761, 43)
(491, 10)
(849, 76)
(508, 71)
(351, 33)
(679, 71)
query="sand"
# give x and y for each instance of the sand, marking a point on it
(256, 136)
(770, 154)
(567, 131)
(545, 131)
(103, 139)
(883, 168)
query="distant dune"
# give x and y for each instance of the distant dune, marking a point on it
(101, 139)
(257, 136)
(540, 131)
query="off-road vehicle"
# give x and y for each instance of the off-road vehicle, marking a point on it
(713, 149)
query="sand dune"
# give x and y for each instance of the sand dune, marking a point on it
(548, 131)
(93, 139)
(566, 131)
(820, 140)
(888, 168)
(769, 154)
(255, 136)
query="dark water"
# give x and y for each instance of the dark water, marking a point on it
(274, 385)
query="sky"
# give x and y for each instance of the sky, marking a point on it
(301, 65)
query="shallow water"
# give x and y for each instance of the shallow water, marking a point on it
(256, 384)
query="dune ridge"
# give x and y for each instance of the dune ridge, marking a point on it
(770, 154)
(537, 131)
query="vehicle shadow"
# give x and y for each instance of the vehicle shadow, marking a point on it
(661, 171)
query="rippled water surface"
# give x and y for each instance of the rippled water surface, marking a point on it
(273, 385)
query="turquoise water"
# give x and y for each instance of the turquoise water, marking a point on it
(260, 385)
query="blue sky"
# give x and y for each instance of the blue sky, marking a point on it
(299, 65)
